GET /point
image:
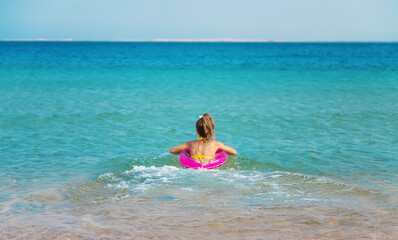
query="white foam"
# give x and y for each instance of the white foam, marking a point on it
(105, 175)
(121, 185)
(279, 185)
(163, 169)
(142, 187)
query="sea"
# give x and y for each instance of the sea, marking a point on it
(86, 129)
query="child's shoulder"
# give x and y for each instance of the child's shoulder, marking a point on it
(216, 143)
(196, 141)
(191, 142)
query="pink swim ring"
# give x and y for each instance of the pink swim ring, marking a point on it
(188, 162)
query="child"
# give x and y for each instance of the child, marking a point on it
(203, 149)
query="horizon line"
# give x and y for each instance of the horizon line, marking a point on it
(181, 40)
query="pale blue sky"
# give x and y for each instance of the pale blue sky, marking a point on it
(301, 20)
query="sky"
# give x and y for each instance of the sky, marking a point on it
(287, 20)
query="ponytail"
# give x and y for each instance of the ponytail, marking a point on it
(205, 127)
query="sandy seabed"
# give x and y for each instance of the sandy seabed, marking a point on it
(168, 220)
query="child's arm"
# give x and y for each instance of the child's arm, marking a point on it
(227, 149)
(179, 149)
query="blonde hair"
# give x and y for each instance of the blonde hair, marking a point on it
(205, 127)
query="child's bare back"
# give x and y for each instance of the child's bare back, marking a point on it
(203, 149)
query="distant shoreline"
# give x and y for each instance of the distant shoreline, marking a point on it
(188, 40)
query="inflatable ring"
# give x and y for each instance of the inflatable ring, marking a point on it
(188, 162)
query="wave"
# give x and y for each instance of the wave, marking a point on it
(250, 186)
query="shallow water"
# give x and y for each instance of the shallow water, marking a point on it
(86, 128)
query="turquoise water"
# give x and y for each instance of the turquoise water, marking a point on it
(85, 130)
